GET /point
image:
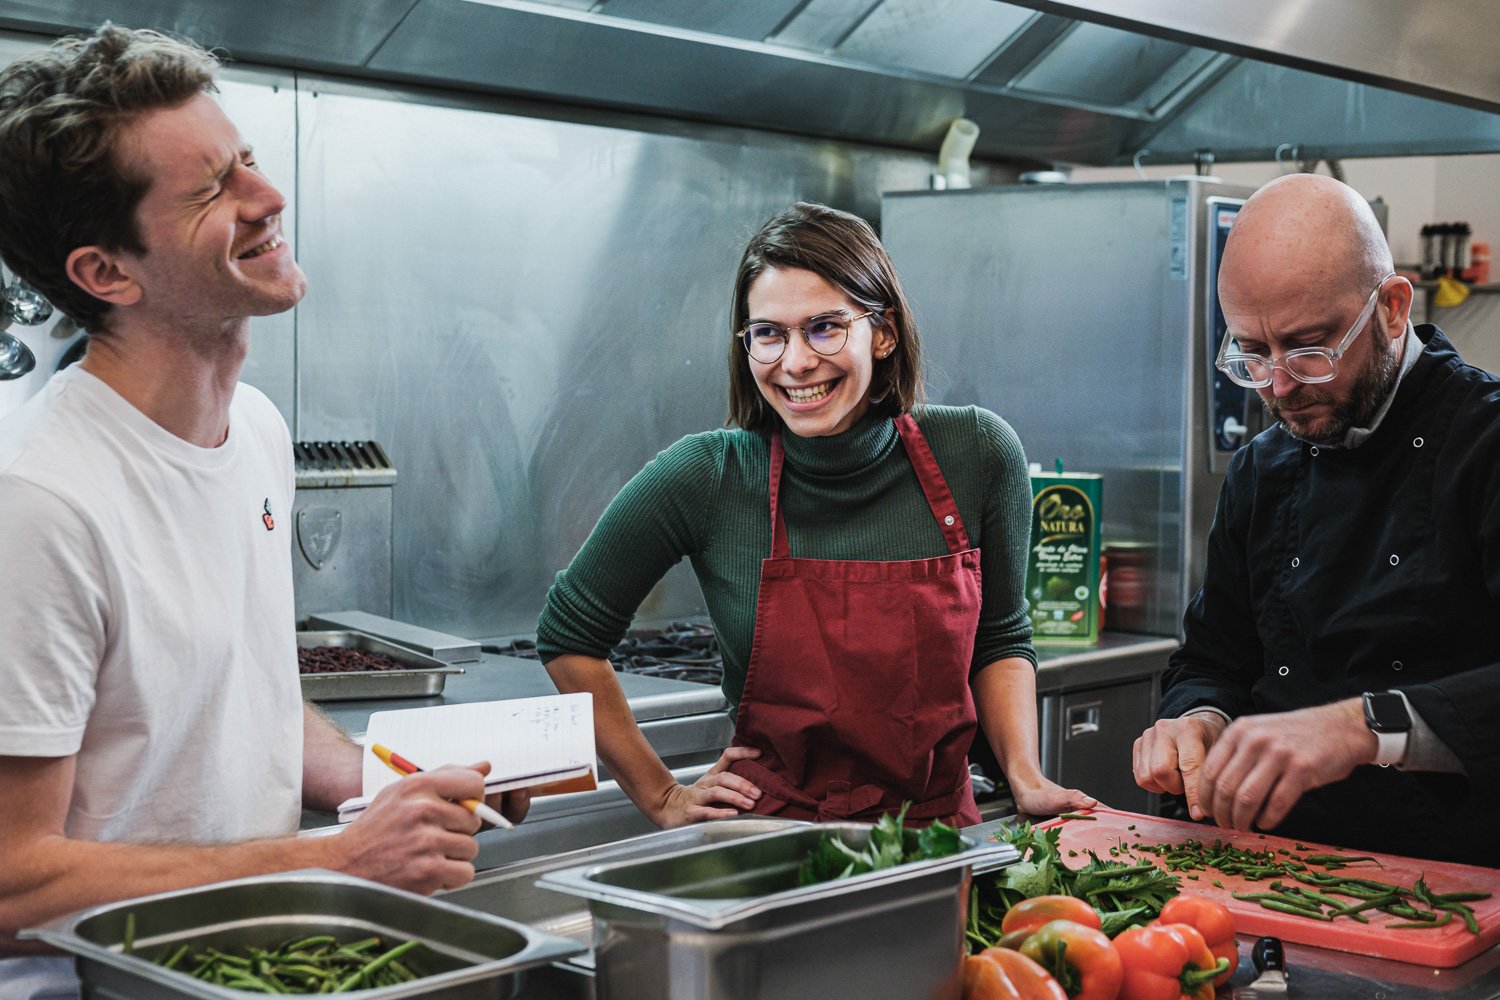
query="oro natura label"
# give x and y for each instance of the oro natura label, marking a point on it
(1062, 570)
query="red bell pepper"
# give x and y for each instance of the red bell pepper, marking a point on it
(1213, 920)
(1030, 914)
(1166, 962)
(1079, 957)
(1002, 974)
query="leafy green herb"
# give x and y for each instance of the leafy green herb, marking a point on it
(1124, 894)
(886, 848)
(1115, 921)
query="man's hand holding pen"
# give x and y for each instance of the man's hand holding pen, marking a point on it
(417, 834)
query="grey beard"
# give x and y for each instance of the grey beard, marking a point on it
(1370, 390)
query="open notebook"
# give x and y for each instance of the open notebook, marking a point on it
(545, 744)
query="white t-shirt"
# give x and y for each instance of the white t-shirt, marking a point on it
(147, 615)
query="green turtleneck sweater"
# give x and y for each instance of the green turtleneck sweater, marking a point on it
(850, 496)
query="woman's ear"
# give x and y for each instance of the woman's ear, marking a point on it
(885, 338)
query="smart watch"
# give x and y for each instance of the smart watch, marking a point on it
(1388, 715)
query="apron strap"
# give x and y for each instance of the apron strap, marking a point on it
(779, 547)
(939, 498)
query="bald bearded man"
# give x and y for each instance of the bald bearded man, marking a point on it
(1340, 675)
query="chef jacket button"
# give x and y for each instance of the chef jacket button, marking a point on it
(948, 520)
(1416, 442)
(1296, 562)
(1315, 451)
(1397, 664)
(1395, 559)
(1284, 670)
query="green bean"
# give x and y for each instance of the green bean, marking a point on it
(1423, 925)
(1318, 896)
(1463, 911)
(1348, 909)
(310, 942)
(1336, 859)
(1288, 907)
(375, 965)
(1277, 897)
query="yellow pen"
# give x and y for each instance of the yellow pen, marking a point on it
(401, 765)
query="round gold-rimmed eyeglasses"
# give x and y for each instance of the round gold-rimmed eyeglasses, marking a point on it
(825, 333)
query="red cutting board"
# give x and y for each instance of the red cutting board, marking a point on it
(1443, 947)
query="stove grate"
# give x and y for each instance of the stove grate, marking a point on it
(681, 652)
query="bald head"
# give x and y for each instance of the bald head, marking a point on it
(1303, 234)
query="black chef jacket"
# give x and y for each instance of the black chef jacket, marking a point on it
(1335, 571)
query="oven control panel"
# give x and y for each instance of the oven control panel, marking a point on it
(1233, 410)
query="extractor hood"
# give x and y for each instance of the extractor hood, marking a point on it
(1085, 81)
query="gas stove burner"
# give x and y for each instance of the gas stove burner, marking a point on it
(681, 652)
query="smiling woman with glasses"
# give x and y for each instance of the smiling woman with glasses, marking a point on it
(862, 557)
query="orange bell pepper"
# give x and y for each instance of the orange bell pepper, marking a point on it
(1079, 957)
(1030, 914)
(1213, 920)
(1002, 974)
(1166, 962)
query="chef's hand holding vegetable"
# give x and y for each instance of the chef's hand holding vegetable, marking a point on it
(862, 557)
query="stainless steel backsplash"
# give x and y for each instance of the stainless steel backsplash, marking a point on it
(523, 303)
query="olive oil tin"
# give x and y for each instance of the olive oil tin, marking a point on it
(1062, 566)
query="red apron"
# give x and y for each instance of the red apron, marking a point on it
(857, 691)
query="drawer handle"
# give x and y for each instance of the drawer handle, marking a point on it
(1083, 720)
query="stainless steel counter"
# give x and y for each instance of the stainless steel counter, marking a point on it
(1118, 658)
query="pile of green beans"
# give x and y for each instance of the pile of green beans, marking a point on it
(1315, 894)
(302, 966)
(1419, 907)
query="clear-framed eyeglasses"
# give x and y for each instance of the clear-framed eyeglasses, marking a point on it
(1305, 364)
(826, 334)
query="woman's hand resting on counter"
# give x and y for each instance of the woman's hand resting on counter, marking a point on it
(719, 794)
(1040, 797)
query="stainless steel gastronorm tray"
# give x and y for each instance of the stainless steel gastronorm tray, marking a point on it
(729, 922)
(423, 676)
(481, 957)
(512, 891)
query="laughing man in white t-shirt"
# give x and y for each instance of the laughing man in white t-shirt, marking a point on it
(152, 735)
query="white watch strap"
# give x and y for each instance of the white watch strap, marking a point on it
(1391, 747)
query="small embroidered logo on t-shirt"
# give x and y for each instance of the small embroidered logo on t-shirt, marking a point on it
(266, 517)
